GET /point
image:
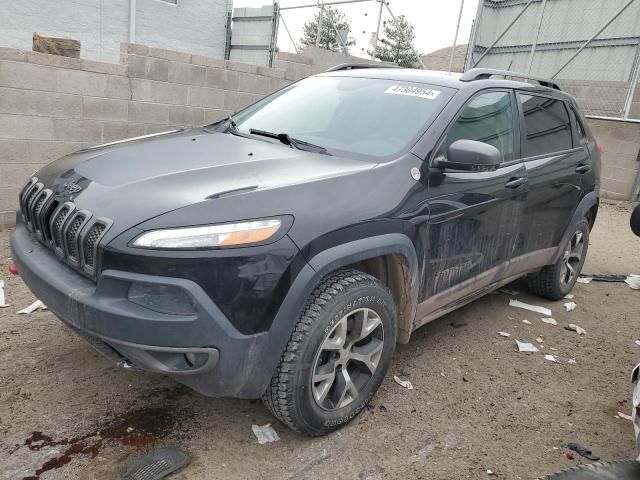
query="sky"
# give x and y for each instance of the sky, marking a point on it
(434, 21)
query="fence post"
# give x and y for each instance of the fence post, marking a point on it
(455, 39)
(633, 86)
(535, 39)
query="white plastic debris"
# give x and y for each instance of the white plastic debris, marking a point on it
(633, 281)
(403, 383)
(569, 296)
(584, 279)
(504, 334)
(526, 347)
(37, 305)
(551, 358)
(550, 321)
(532, 308)
(625, 416)
(490, 472)
(638, 342)
(526, 322)
(539, 339)
(2, 304)
(575, 328)
(508, 291)
(265, 433)
(572, 361)
(570, 306)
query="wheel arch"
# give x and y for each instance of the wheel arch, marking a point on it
(391, 258)
(587, 208)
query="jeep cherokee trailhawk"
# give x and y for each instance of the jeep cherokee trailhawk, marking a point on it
(283, 252)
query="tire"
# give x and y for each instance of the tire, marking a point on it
(555, 281)
(635, 221)
(625, 470)
(302, 393)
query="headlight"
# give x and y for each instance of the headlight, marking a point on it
(210, 236)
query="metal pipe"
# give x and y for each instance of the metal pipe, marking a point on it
(526, 7)
(132, 20)
(537, 36)
(415, 52)
(375, 42)
(326, 4)
(455, 39)
(635, 78)
(340, 39)
(320, 26)
(474, 33)
(295, 47)
(612, 119)
(588, 42)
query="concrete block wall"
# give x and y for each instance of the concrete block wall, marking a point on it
(620, 158)
(51, 106)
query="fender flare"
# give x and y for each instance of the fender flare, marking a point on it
(590, 200)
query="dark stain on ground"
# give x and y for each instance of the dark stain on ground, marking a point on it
(136, 428)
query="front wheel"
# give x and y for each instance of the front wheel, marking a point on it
(337, 356)
(555, 281)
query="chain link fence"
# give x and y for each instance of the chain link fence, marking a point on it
(591, 48)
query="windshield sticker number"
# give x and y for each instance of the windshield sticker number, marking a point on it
(420, 92)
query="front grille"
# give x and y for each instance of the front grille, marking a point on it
(71, 233)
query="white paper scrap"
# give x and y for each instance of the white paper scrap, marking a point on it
(37, 305)
(532, 308)
(403, 383)
(265, 433)
(526, 347)
(550, 321)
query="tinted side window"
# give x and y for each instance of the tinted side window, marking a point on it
(487, 118)
(546, 124)
(579, 128)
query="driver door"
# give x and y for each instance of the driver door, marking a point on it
(474, 216)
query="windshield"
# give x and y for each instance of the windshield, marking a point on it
(361, 116)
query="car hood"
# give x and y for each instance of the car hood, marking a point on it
(133, 181)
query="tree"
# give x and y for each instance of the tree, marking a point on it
(329, 39)
(396, 44)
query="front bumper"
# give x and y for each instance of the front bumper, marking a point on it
(228, 363)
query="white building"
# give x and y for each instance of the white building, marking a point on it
(194, 26)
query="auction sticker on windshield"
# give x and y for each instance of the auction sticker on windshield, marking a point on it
(428, 93)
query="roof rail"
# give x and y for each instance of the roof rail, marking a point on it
(484, 73)
(354, 66)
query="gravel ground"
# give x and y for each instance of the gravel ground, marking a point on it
(65, 412)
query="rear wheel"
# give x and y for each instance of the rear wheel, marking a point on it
(555, 281)
(337, 355)
(635, 221)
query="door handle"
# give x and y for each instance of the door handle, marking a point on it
(516, 182)
(582, 169)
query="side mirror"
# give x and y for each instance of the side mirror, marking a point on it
(472, 156)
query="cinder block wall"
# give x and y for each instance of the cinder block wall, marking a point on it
(51, 106)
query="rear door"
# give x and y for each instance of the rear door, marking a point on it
(474, 216)
(555, 161)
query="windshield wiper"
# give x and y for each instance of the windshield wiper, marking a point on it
(287, 140)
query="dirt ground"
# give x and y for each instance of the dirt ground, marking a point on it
(66, 412)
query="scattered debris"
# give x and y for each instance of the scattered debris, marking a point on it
(638, 342)
(403, 383)
(457, 324)
(550, 321)
(633, 281)
(584, 279)
(508, 291)
(265, 433)
(551, 358)
(569, 296)
(526, 347)
(37, 305)
(625, 416)
(2, 304)
(155, 465)
(382, 408)
(490, 472)
(575, 328)
(526, 322)
(539, 339)
(504, 334)
(532, 308)
(570, 306)
(604, 278)
(572, 361)
(569, 456)
(583, 451)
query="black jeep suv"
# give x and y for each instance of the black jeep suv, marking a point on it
(283, 253)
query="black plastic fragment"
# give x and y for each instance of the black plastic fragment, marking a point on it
(583, 451)
(155, 465)
(604, 278)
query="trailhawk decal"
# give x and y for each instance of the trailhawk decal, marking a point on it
(420, 92)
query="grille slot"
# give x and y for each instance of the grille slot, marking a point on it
(71, 233)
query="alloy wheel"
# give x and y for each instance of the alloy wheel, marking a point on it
(347, 359)
(572, 258)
